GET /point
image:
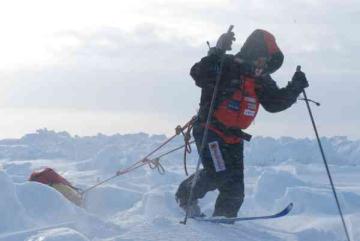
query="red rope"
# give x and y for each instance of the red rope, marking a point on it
(145, 160)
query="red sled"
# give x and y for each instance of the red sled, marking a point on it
(49, 177)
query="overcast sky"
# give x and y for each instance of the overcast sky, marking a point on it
(122, 66)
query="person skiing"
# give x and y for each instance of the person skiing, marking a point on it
(245, 83)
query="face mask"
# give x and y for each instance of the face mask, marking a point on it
(260, 66)
(254, 68)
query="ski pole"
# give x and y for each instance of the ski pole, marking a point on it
(298, 68)
(206, 130)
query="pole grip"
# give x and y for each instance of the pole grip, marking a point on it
(230, 28)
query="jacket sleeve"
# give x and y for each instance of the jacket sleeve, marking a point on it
(273, 98)
(204, 72)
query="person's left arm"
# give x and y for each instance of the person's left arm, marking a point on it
(275, 99)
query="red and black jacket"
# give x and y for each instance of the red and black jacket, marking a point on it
(268, 94)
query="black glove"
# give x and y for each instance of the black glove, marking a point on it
(215, 52)
(225, 41)
(299, 80)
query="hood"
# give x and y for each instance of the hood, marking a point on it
(261, 46)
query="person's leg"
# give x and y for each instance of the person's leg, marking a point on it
(219, 160)
(211, 154)
(230, 182)
(231, 195)
(203, 184)
(206, 180)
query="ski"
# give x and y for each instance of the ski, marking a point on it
(282, 213)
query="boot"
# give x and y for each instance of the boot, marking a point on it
(193, 210)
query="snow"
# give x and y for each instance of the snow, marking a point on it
(58, 234)
(273, 185)
(141, 206)
(104, 201)
(44, 204)
(12, 213)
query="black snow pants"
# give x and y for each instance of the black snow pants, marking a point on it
(223, 170)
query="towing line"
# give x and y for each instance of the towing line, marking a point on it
(154, 163)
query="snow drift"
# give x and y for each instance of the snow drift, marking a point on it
(45, 144)
(141, 205)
